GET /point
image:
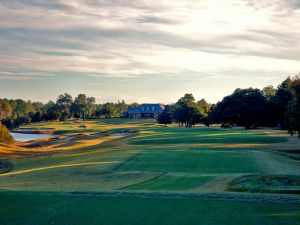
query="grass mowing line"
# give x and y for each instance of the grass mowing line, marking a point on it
(143, 182)
(55, 167)
(126, 161)
(167, 182)
(223, 196)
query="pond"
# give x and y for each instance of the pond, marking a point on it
(21, 137)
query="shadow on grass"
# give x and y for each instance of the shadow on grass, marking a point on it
(6, 166)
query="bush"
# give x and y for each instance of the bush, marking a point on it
(5, 136)
(226, 125)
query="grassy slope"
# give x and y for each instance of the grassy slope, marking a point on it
(157, 159)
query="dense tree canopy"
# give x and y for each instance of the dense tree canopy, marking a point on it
(64, 103)
(244, 107)
(187, 111)
(292, 115)
(269, 92)
(5, 109)
(206, 109)
(5, 136)
(166, 116)
(83, 107)
(13, 113)
(268, 107)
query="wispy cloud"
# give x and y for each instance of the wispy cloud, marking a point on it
(5, 75)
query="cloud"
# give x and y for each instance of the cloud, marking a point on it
(34, 75)
(34, 3)
(125, 38)
(156, 19)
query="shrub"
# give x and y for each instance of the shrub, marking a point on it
(226, 125)
(5, 136)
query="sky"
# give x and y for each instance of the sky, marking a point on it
(145, 50)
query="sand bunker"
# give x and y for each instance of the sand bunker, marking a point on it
(121, 133)
(68, 138)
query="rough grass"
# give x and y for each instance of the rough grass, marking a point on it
(266, 184)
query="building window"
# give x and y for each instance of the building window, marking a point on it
(152, 108)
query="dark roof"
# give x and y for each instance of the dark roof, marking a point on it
(147, 108)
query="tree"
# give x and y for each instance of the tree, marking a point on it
(21, 107)
(293, 117)
(37, 116)
(187, 111)
(244, 107)
(269, 92)
(64, 103)
(292, 114)
(90, 106)
(51, 111)
(5, 109)
(109, 110)
(121, 108)
(133, 105)
(38, 106)
(206, 108)
(284, 95)
(83, 106)
(5, 136)
(166, 116)
(78, 106)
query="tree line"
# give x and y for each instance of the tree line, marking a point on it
(13, 113)
(250, 108)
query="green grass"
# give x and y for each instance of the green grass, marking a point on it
(157, 160)
(42, 208)
(169, 182)
(192, 161)
(154, 150)
(202, 135)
